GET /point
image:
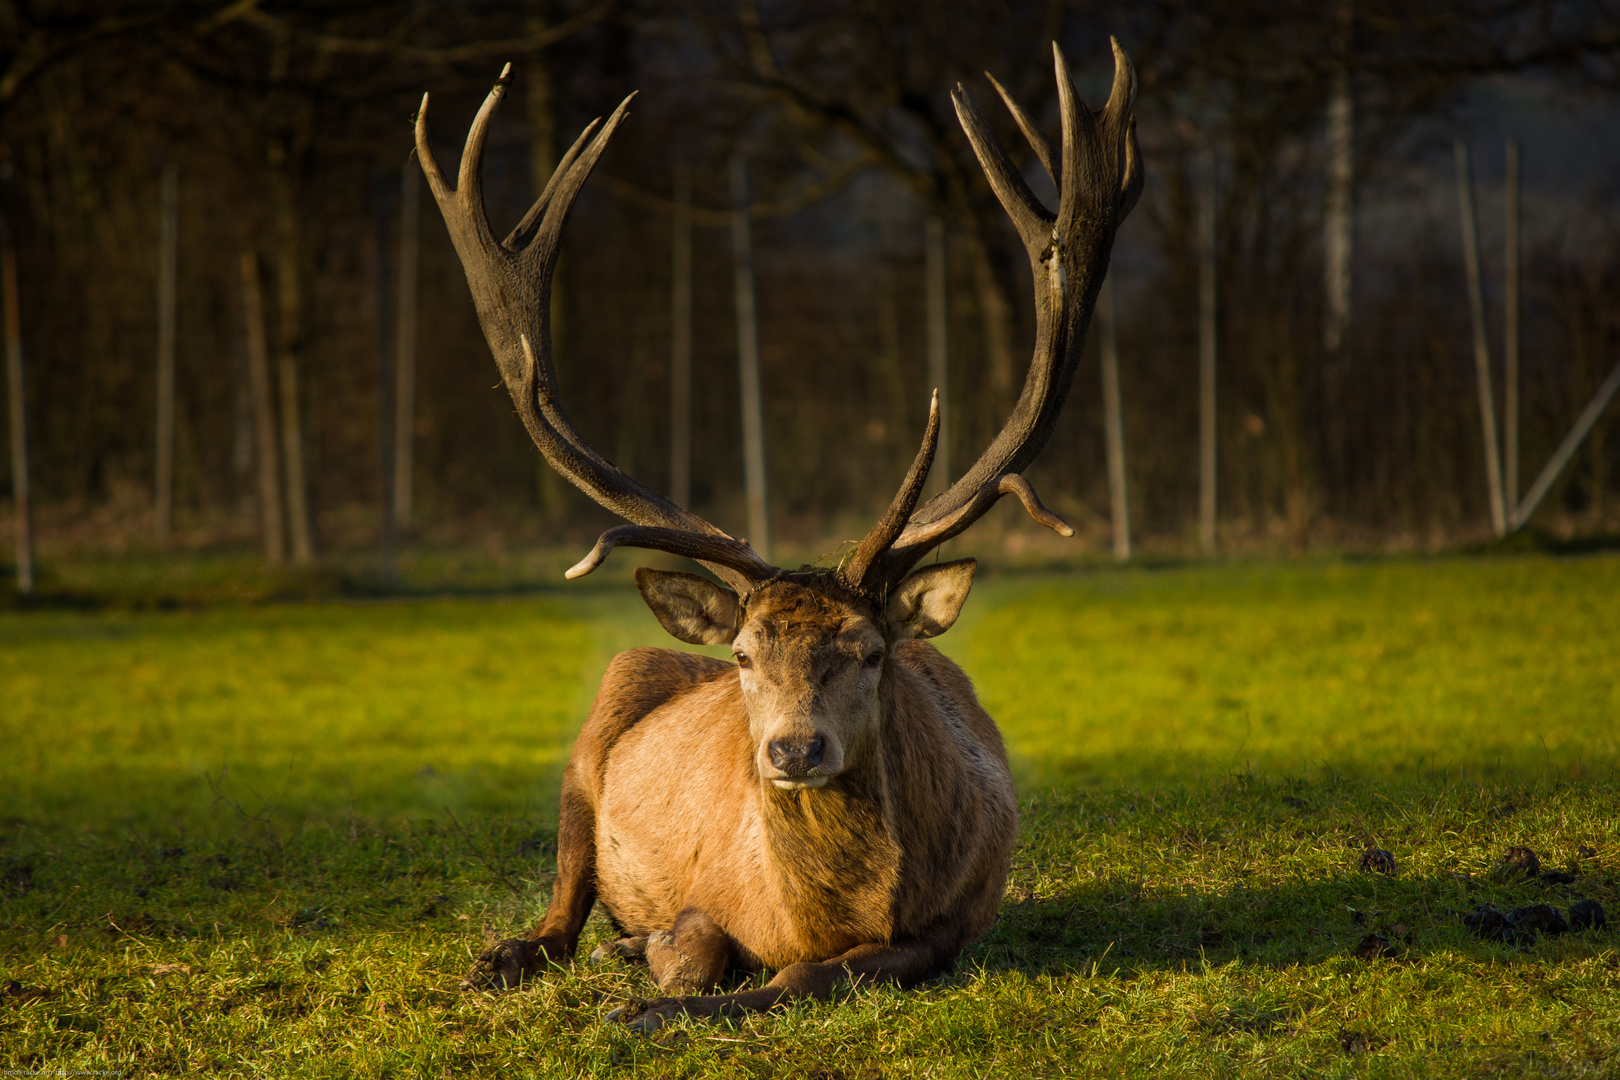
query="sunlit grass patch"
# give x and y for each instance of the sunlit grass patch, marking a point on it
(270, 839)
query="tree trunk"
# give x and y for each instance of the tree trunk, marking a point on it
(410, 232)
(934, 269)
(995, 316)
(168, 234)
(1510, 333)
(1113, 420)
(892, 369)
(22, 504)
(1339, 245)
(1206, 352)
(541, 103)
(383, 319)
(289, 342)
(680, 344)
(264, 414)
(753, 422)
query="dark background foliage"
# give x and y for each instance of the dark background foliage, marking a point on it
(290, 122)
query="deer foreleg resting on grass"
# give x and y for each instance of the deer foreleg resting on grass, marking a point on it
(872, 963)
(506, 965)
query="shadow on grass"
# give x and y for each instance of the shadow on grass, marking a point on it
(281, 587)
(1113, 883)
(1116, 928)
(1537, 541)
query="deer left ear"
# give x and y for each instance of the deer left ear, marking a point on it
(693, 609)
(928, 602)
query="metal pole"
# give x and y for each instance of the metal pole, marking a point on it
(1113, 420)
(1566, 449)
(264, 415)
(22, 504)
(938, 345)
(742, 251)
(680, 344)
(1206, 353)
(410, 230)
(1482, 348)
(168, 243)
(1510, 332)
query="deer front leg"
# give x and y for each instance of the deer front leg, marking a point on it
(691, 957)
(903, 964)
(506, 965)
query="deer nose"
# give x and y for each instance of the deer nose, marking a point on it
(795, 757)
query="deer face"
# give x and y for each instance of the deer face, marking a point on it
(810, 656)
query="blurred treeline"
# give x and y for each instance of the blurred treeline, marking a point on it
(289, 121)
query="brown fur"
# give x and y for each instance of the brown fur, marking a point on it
(886, 871)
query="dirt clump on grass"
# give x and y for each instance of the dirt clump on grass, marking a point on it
(1588, 915)
(18, 879)
(1377, 860)
(1375, 947)
(1360, 1042)
(1522, 925)
(1517, 864)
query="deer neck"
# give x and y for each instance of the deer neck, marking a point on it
(836, 856)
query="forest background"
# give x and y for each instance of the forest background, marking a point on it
(1346, 414)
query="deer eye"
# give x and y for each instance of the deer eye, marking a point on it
(742, 659)
(873, 659)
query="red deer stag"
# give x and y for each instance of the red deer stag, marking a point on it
(835, 804)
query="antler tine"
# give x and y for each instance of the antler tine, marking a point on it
(1037, 141)
(708, 549)
(1135, 176)
(511, 289)
(865, 566)
(430, 164)
(520, 235)
(569, 180)
(1098, 181)
(1117, 113)
(1077, 123)
(935, 533)
(1032, 220)
(470, 178)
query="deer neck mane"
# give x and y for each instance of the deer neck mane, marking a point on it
(836, 852)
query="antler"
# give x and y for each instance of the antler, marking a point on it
(1099, 178)
(511, 289)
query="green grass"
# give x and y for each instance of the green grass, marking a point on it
(267, 839)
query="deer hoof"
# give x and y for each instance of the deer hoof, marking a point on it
(501, 967)
(640, 1016)
(629, 949)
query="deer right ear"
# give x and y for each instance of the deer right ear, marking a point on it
(928, 602)
(693, 609)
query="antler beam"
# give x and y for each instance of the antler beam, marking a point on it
(511, 289)
(1099, 178)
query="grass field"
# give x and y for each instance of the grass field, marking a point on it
(266, 839)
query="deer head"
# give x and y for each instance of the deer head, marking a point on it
(811, 643)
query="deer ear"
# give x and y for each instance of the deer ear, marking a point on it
(693, 609)
(928, 602)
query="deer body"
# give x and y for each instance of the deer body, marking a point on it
(834, 804)
(922, 828)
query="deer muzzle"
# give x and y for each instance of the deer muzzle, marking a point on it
(797, 761)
